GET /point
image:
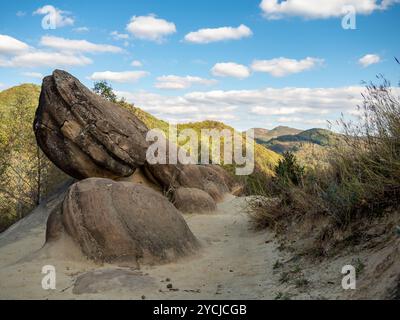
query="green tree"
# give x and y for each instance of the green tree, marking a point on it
(26, 175)
(105, 90)
(289, 170)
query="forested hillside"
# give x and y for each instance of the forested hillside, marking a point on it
(25, 173)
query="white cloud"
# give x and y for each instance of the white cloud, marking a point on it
(308, 103)
(81, 29)
(176, 82)
(369, 59)
(62, 18)
(21, 14)
(281, 67)
(10, 45)
(76, 45)
(293, 120)
(177, 109)
(265, 111)
(218, 34)
(37, 75)
(19, 54)
(150, 28)
(230, 69)
(315, 122)
(119, 36)
(121, 77)
(320, 9)
(46, 59)
(136, 63)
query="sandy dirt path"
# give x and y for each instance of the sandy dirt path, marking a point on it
(235, 262)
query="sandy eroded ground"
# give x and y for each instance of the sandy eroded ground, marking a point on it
(235, 263)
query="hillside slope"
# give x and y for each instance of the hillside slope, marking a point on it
(265, 159)
(264, 135)
(25, 173)
(294, 143)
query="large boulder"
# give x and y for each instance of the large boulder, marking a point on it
(191, 200)
(86, 135)
(210, 178)
(121, 222)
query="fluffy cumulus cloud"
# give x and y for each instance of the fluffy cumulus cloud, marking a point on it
(61, 18)
(369, 59)
(311, 104)
(120, 77)
(15, 53)
(218, 34)
(281, 67)
(173, 82)
(119, 36)
(10, 45)
(230, 69)
(317, 101)
(54, 52)
(320, 9)
(178, 109)
(46, 59)
(63, 44)
(150, 28)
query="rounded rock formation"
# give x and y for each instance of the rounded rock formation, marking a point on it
(121, 222)
(191, 200)
(84, 134)
(87, 136)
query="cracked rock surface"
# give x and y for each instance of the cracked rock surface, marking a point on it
(86, 135)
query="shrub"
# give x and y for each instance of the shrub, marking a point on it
(362, 179)
(288, 171)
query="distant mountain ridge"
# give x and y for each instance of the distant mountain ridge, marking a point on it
(264, 135)
(295, 142)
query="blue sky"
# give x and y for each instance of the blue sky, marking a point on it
(249, 63)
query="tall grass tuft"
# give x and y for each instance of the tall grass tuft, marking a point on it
(362, 179)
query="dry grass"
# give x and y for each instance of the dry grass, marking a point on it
(361, 182)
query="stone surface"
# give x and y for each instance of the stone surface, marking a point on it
(84, 134)
(100, 281)
(211, 179)
(190, 200)
(122, 222)
(87, 136)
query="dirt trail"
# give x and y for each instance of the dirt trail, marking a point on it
(235, 263)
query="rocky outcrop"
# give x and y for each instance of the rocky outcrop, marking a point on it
(190, 200)
(190, 176)
(86, 135)
(121, 222)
